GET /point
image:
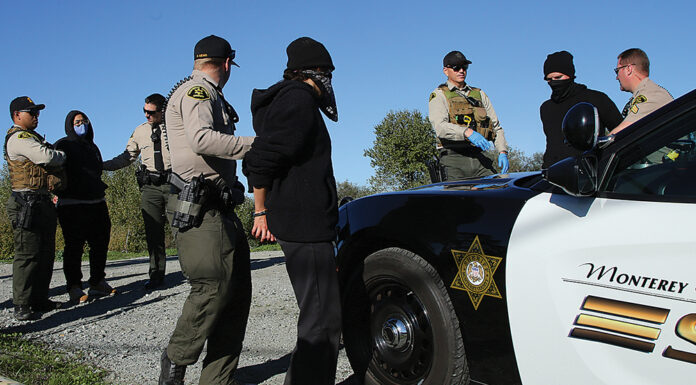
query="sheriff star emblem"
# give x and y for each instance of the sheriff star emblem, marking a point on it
(475, 273)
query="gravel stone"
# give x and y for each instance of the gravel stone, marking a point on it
(125, 333)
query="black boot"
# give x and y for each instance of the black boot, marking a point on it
(24, 313)
(171, 373)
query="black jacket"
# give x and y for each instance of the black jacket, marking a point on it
(552, 114)
(83, 163)
(291, 156)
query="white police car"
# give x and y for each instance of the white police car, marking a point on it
(582, 274)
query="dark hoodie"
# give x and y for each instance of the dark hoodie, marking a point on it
(83, 163)
(552, 114)
(291, 156)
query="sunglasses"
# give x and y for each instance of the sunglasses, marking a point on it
(617, 69)
(31, 112)
(148, 112)
(457, 68)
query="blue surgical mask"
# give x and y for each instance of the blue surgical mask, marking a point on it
(81, 130)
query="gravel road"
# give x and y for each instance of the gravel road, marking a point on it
(125, 334)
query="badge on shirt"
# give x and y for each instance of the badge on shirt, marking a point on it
(636, 100)
(432, 96)
(198, 93)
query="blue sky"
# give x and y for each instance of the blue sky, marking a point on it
(104, 57)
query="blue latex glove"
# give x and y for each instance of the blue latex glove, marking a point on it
(503, 163)
(479, 141)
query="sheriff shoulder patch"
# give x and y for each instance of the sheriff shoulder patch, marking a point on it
(198, 93)
(638, 99)
(25, 135)
(475, 273)
(432, 96)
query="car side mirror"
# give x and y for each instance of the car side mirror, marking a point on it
(576, 176)
(581, 126)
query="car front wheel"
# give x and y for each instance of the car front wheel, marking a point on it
(414, 335)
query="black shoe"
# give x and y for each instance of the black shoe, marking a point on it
(46, 306)
(24, 313)
(171, 373)
(153, 283)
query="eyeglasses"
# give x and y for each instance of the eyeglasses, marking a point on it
(80, 122)
(617, 69)
(31, 112)
(232, 54)
(148, 112)
(457, 68)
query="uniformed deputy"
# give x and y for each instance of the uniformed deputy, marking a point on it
(632, 71)
(212, 246)
(34, 172)
(465, 121)
(148, 141)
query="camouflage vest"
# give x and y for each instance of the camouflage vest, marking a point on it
(468, 111)
(24, 174)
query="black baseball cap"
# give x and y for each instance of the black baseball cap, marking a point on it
(214, 47)
(24, 103)
(455, 58)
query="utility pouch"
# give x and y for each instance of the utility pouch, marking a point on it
(188, 208)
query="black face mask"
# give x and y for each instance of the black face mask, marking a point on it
(327, 103)
(560, 89)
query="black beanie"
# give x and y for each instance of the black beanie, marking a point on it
(306, 52)
(562, 62)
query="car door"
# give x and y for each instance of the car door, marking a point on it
(602, 289)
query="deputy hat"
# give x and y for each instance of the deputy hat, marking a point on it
(455, 58)
(214, 47)
(561, 61)
(24, 103)
(306, 52)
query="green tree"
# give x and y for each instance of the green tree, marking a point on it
(349, 189)
(404, 140)
(519, 161)
(123, 199)
(6, 233)
(245, 213)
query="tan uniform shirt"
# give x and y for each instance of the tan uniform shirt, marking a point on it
(201, 132)
(140, 143)
(439, 117)
(22, 146)
(647, 98)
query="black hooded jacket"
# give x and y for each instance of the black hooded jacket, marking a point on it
(83, 163)
(291, 157)
(552, 114)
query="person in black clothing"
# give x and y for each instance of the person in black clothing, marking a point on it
(289, 168)
(82, 211)
(559, 72)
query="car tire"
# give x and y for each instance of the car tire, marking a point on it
(399, 323)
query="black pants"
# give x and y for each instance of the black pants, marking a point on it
(312, 271)
(84, 223)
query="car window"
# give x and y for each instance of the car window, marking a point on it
(661, 165)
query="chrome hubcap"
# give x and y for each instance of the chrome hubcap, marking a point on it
(395, 334)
